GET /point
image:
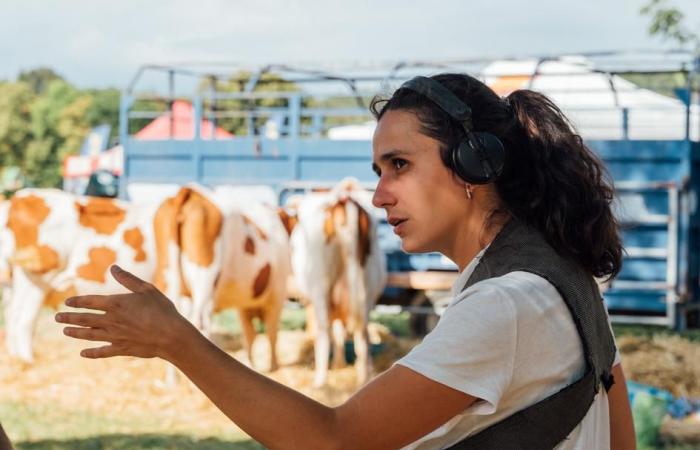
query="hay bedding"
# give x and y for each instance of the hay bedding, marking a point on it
(131, 387)
(671, 363)
(667, 362)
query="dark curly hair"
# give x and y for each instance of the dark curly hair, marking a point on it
(551, 180)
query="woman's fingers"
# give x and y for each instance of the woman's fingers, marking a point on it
(81, 319)
(105, 351)
(98, 302)
(88, 334)
(130, 281)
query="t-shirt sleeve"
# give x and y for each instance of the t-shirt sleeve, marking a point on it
(472, 348)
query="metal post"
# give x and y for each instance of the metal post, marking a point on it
(124, 105)
(294, 115)
(197, 147)
(689, 88)
(212, 117)
(672, 260)
(171, 97)
(625, 123)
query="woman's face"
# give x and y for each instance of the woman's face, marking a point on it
(424, 201)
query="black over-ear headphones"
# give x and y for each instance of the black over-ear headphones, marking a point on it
(479, 157)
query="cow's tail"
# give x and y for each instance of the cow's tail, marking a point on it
(168, 234)
(349, 234)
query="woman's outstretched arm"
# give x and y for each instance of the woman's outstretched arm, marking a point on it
(393, 410)
(5, 443)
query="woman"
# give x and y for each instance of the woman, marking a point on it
(5, 443)
(459, 168)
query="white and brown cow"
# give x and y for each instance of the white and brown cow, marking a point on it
(59, 245)
(340, 269)
(214, 253)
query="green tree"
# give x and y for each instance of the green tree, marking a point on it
(668, 22)
(104, 109)
(39, 79)
(269, 82)
(15, 122)
(58, 127)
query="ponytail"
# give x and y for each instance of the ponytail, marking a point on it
(555, 183)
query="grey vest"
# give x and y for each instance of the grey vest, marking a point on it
(547, 423)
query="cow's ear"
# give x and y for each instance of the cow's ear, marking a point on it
(79, 208)
(289, 219)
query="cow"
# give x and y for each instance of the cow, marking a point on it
(216, 253)
(340, 270)
(58, 245)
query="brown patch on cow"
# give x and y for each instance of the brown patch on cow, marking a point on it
(288, 220)
(363, 229)
(54, 299)
(249, 246)
(134, 239)
(36, 258)
(100, 258)
(340, 300)
(261, 280)
(25, 216)
(201, 223)
(101, 214)
(192, 223)
(258, 230)
(335, 214)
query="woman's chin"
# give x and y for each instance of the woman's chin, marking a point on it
(409, 246)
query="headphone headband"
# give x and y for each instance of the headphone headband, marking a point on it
(480, 156)
(442, 97)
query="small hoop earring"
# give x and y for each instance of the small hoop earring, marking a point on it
(468, 189)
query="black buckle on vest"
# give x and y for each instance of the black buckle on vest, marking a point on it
(608, 380)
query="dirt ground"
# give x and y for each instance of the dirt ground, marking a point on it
(133, 388)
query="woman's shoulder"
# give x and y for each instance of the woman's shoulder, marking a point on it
(523, 297)
(513, 285)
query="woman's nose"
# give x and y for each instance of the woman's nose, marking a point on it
(382, 197)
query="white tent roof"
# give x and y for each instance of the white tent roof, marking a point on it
(596, 102)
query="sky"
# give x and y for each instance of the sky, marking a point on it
(97, 43)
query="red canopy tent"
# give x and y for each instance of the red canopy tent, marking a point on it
(182, 123)
(77, 166)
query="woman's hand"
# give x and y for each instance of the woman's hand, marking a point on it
(143, 323)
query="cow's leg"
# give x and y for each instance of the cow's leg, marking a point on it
(338, 344)
(272, 323)
(202, 287)
(322, 345)
(27, 298)
(363, 361)
(246, 317)
(6, 310)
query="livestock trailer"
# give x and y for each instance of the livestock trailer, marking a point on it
(279, 129)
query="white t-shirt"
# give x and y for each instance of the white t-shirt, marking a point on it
(511, 342)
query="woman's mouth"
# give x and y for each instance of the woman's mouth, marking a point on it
(398, 224)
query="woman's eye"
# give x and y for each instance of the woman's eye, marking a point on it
(398, 163)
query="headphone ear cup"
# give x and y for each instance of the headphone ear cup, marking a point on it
(479, 158)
